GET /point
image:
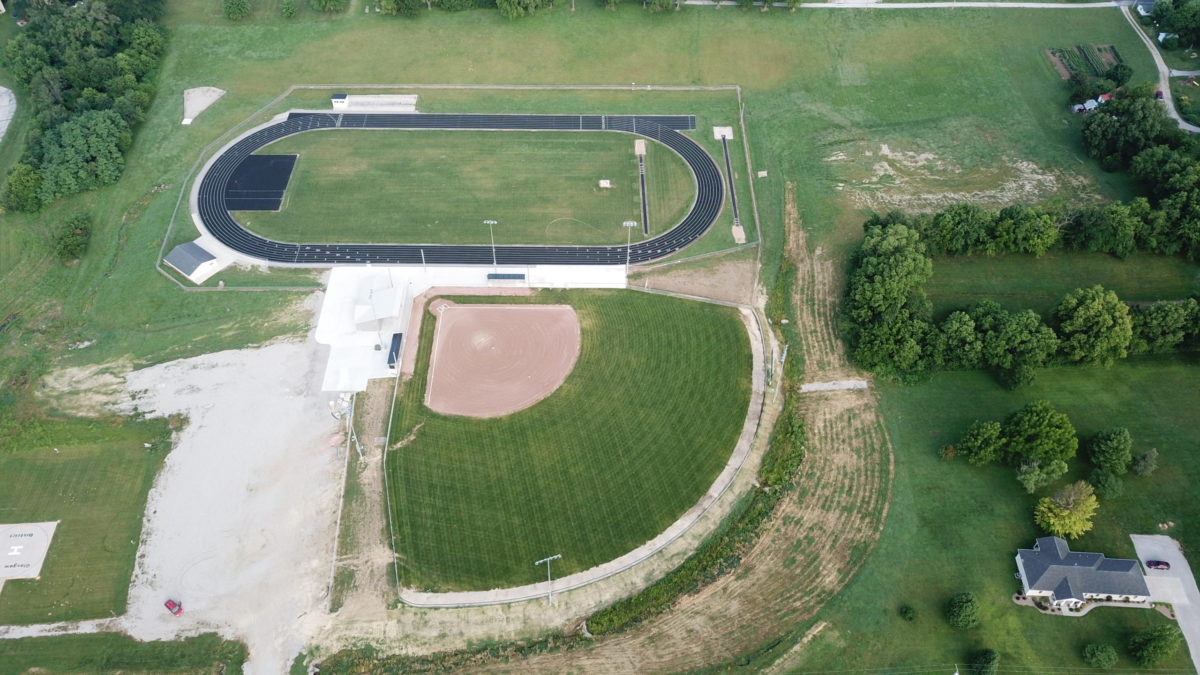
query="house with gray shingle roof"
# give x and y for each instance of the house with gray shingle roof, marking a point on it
(1068, 579)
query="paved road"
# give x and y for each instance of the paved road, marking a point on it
(867, 4)
(1164, 73)
(213, 214)
(1176, 585)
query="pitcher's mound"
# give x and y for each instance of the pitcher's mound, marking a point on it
(493, 360)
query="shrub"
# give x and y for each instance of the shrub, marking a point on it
(328, 5)
(236, 10)
(985, 662)
(1100, 656)
(1112, 450)
(287, 8)
(22, 189)
(71, 240)
(908, 613)
(1145, 463)
(963, 611)
(1155, 644)
(455, 5)
(948, 452)
(1107, 484)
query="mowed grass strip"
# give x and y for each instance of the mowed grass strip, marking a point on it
(437, 187)
(1025, 282)
(632, 439)
(98, 490)
(112, 652)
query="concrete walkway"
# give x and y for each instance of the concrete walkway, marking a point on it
(836, 385)
(677, 529)
(1184, 73)
(1164, 73)
(868, 4)
(8, 108)
(1176, 585)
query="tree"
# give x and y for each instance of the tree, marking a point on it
(1155, 166)
(1146, 463)
(983, 443)
(287, 8)
(961, 228)
(22, 189)
(1039, 432)
(891, 267)
(985, 662)
(1013, 344)
(512, 9)
(908, 613)
(1127, 127)
(1094, 326)
(83, 153)
(963, 611)
(236, 10)
(1108, 484)
(1155, 644)
(1112, 450)
(895, 345)
(1119, 73)
(1069, 512)
(1163, 326)
(1100, 655)
(956, 345)
(328, 5)
(1020, 229)
(400, 7)
(71, 240)
(1112, 228)
(1035, 473)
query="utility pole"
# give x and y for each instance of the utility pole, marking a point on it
(549, 586)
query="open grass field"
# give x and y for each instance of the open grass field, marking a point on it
(1024, 282)
(631, 440)
(94, 478)
(956, 527)
(109, 652)
(437, 187)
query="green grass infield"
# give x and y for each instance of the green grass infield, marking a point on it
(437, 187)
(633, 438)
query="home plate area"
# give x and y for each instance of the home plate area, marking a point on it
(493, 360)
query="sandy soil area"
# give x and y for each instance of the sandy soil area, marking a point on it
(240, 524)
(493, 360)
(729, 278)
(197, 99)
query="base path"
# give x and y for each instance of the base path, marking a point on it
(1176, 585)
(493, 360)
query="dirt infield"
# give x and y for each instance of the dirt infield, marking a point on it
(493, 360)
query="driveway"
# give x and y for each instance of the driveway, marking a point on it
(1176, 585)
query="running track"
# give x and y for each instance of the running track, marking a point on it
(710, 193)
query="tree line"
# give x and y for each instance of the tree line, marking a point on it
(87, 69)
(889, 317)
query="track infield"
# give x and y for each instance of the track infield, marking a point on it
(631, 440)
(437, 187)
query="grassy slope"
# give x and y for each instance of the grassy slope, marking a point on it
(108, 652)
(632, 439)
(437, 186)
(94, 478)
(956, 527)
(1020, 282)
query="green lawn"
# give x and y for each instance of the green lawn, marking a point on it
(94, 478)
(437, 187)
(631, 440)
(955, 527)
(110, 652)
(1024, 282)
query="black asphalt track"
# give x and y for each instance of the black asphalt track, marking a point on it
(710, 193)
(259, 182)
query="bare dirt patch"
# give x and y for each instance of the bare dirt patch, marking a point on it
(493, 360)
(729, 278)
(86, 390)
(197, 100)
(1063, 71)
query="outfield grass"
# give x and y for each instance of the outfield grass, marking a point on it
(632, 439)
(111, 652)
(1023, 282)
(436, 187)
(94, 478)
(955, 527)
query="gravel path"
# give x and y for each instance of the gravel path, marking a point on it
(1164, 73)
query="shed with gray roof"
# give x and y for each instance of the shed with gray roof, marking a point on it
(193, 261)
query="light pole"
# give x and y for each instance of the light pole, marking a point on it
(629, 225)
(549, 587)
(492, 234)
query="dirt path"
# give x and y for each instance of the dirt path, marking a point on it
(822, 533)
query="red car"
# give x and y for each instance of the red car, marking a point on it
(173, 607)
(1158, 564)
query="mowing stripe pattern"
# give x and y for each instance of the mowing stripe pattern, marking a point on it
(665, 129)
